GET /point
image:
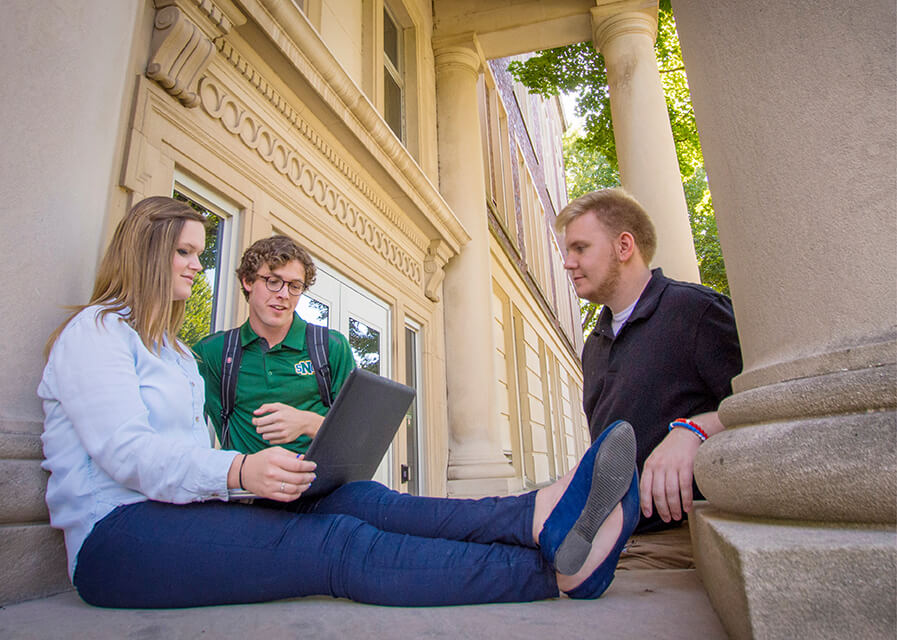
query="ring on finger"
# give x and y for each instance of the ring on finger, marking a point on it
(283, 486)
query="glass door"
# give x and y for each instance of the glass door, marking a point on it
(411, 473)
(364, 320)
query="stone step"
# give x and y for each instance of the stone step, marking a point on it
(668, 604)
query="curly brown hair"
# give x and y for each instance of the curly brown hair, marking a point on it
(275, 252)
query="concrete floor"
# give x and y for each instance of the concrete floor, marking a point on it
(640, 604)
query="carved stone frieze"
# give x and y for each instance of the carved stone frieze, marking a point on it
(295, 119)
(257, 135)
(213, 12)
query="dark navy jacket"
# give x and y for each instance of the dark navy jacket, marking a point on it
(674, 357)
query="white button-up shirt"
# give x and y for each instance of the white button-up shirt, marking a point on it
(122, 425)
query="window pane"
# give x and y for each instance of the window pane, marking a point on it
(200, 309)
(390, 39)
(365, 343)
(313, 311)
(392, 103)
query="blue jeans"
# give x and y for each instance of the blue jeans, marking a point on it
(363, 542)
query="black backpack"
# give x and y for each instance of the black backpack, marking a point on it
(317, 339)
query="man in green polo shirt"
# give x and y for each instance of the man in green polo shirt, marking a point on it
(277, 401)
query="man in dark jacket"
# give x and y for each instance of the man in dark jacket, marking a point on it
(662, 357)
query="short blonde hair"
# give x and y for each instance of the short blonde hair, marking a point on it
(618, 212)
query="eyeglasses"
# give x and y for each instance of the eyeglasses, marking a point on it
(275, 284)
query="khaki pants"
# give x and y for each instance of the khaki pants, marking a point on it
(668, 549)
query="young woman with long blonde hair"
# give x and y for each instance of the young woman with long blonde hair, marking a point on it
(142, 497)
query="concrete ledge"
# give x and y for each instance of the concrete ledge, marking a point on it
(17, 443)
(23, 485)
(787, 579)
(483, 487)
(639, 604)
(32, 562)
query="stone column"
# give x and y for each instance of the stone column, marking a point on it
(624, 32)
(796, 108)
(67, 73)
(476, 464)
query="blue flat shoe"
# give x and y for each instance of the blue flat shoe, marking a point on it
(600, 482)
(597, 583)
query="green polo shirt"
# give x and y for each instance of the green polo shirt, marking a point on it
(282, 374)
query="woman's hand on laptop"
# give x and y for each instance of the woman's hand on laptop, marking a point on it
(280, 423)
(274, 473)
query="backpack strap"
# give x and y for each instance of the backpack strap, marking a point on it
(317, 341)
(230, 369)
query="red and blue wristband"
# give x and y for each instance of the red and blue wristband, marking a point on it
(684, 423)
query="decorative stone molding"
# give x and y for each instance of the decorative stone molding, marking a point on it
(836, 393)
(828, 469)
(458, 53)
(291, 32)
(292, 116)
(434, 263)
(880, 350)
(182, 45)
(180, 55)
(255, 134)
(216, 15)
(614, 18)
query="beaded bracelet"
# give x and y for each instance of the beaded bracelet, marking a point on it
(242, 462)
(684, 423)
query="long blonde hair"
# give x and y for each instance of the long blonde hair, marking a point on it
(135, 273)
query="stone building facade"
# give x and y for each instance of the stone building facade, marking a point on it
(319, 121)
(282, 115)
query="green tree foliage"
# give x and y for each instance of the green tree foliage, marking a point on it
(703, 230)
(586, 168)
(590, 155)
(198, 316)
(580, 69)
(365, 343)
(209, 257)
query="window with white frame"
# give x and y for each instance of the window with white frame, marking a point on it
(393, 74)
(211, 300)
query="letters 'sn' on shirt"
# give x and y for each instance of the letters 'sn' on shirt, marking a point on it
(282, 373)
(674, 357)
